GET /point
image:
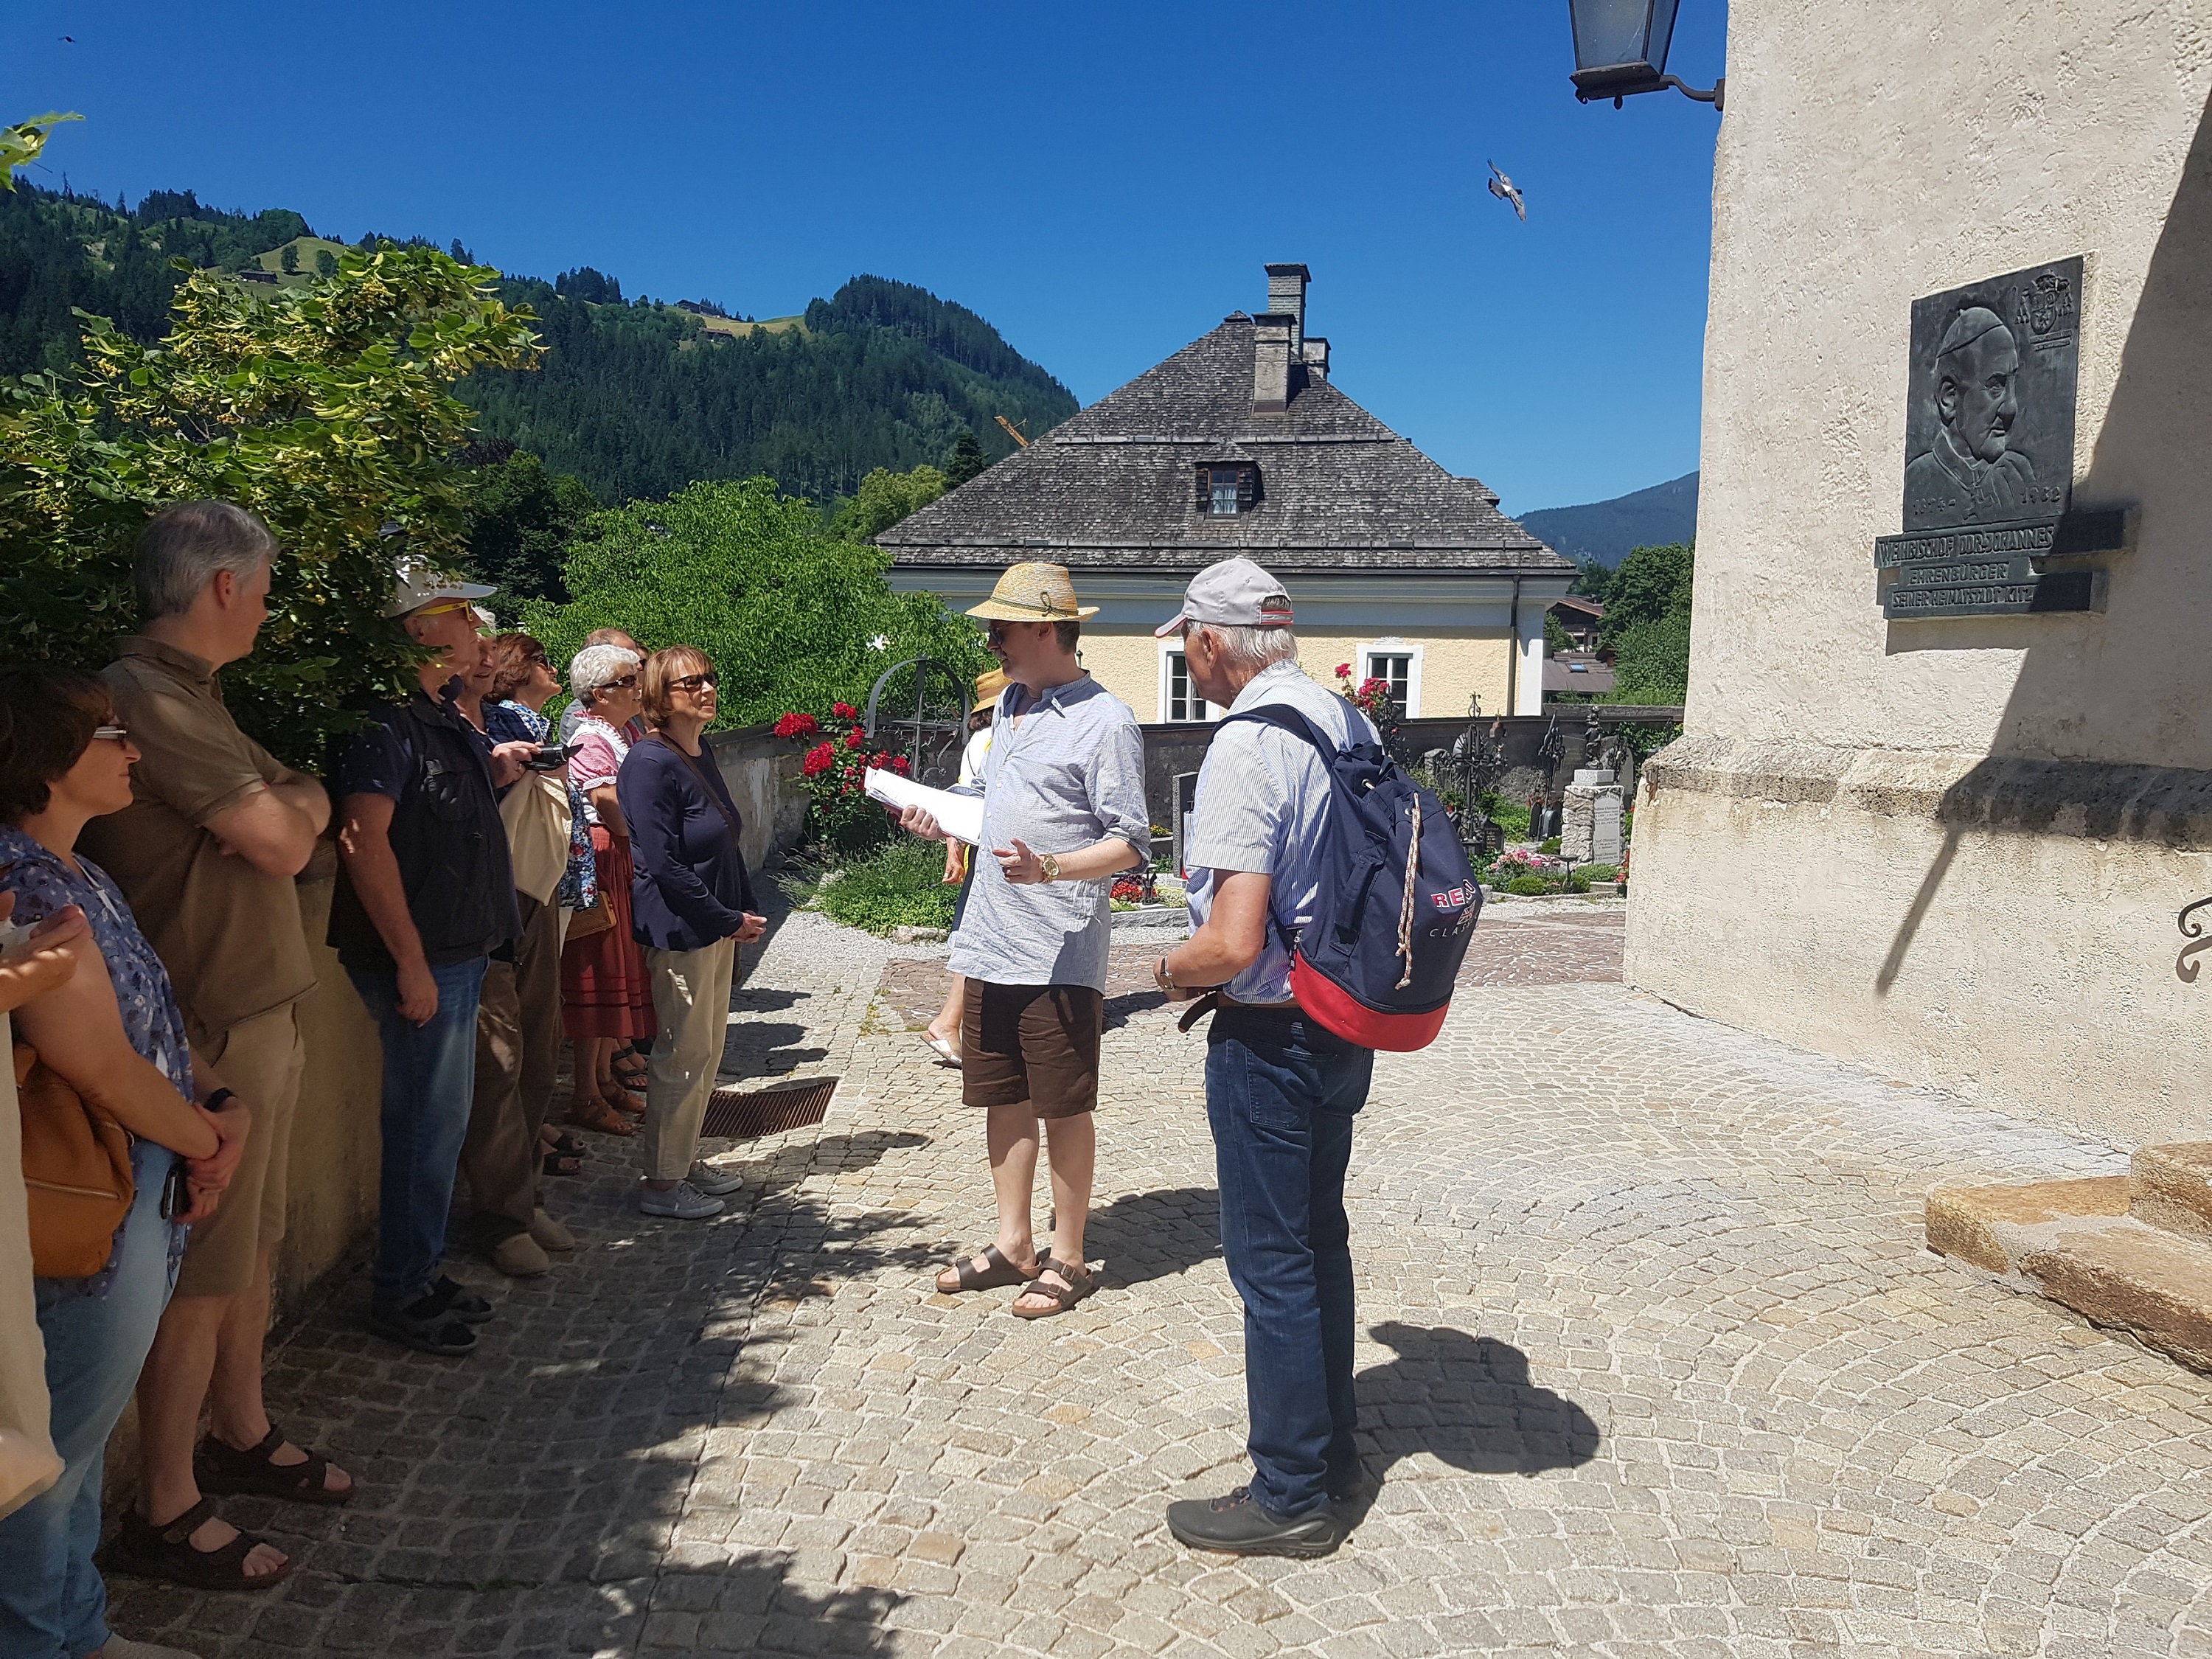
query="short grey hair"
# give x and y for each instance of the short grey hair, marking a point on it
(1250, 647)
(595, 665)
(181, 550)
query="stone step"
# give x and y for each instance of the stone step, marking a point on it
(2077, 1242)
(2171, 1187)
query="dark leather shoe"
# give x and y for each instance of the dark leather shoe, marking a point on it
(1237, 1525)
(460, 1303)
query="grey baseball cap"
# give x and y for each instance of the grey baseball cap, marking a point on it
(1234, 593)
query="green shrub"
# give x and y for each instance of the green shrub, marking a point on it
(1597, 872)
(1552, 846)
(1531, 886)
(901, 886)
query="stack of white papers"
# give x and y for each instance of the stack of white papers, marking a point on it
(960, 815)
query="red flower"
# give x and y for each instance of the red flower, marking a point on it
(844, 711)
(819, 759)
(1344, 670)
(797, 725)
(856, 739)
(899, 763)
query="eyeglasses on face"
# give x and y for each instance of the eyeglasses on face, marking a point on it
(691, 684)
(112, 733)
(626, 683)
(448, 608)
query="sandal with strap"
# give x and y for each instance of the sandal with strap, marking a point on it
(146, 1551)
(224, 1468)
(1000, 1272)
(635, 1075)
(1079, 1284)
(595, 1115)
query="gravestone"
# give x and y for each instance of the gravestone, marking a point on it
(1590, 825)
(1186, 798)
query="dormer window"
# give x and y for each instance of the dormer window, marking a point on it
(1226, 488)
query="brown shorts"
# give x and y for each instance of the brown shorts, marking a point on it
(1033, 1043)
(262, 1061)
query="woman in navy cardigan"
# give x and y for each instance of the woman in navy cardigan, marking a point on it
(691, 902)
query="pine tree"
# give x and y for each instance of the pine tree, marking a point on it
(966, 460)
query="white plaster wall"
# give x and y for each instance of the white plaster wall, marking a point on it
(1874, 152)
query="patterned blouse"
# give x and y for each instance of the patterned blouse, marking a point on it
(599, 753)
(43, 884)
(517, 722)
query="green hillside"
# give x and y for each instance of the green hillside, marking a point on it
(636, 398)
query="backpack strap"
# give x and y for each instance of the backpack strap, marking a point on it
(1283, 718)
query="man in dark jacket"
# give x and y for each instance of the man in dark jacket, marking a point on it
(425, 894)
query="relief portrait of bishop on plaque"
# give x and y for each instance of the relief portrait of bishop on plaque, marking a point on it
(1990, 423)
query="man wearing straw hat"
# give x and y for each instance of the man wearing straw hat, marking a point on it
(1063, 790)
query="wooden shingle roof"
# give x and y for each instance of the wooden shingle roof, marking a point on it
(1115, 486)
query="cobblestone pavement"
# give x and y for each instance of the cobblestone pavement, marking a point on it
(1653, 1362)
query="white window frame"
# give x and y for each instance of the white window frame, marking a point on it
(1389, 646)
(1209, 711)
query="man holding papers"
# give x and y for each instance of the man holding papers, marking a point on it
(1063, 798)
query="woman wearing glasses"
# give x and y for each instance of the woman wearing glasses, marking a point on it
(693, 902)
(112, 1032)
(605, 998)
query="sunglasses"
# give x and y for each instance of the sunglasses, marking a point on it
(622, 684)
(113, 734)
(446, 608)
(692, 683)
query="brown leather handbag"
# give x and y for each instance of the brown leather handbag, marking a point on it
(76, 1172)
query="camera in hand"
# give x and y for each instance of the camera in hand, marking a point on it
(551, 758)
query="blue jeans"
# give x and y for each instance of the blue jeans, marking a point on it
(1280, 1093)
(429, 1083)
(52, 1602)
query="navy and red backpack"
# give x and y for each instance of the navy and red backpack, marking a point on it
(1397, 902)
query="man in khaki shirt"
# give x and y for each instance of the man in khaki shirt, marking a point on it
(206, 853)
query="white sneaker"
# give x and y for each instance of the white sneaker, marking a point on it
(683, 1201)
(713, 1181)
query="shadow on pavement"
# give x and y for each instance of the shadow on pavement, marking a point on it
(1468, 1401)
(1142, 1236)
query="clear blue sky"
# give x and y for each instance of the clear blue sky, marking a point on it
(1101, 183)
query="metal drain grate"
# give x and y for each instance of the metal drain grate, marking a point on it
(741, 1114)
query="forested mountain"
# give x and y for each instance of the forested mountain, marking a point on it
(636, 398)
(1606, 530)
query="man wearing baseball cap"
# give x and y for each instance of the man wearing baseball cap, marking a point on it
(1280, 1090)
(424, 897)
(1063, 790)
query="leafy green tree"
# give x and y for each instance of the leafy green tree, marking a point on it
(885, 498)
(1556, 637)
(327, 262)
(520, 520)
(1647, 625)
(324, 409)
(289, 258)
(1651, 582)
(966, 460)
(794, 618)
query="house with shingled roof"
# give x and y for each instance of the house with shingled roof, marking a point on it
(1240, 443)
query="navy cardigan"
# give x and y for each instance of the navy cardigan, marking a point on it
(690, 887)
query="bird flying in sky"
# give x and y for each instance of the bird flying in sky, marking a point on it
(1506, 190)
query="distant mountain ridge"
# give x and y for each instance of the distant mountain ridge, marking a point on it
(637, 397)
(1608, 531)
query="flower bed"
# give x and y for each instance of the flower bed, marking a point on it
(841, 819)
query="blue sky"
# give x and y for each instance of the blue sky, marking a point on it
(1101, 183)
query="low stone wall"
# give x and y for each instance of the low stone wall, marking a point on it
(762, 771)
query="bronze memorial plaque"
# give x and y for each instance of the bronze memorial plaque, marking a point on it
(1989, 451)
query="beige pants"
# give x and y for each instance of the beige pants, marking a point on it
(692, 994)
(263, 1060)
(518, 1051)
(28, 1463)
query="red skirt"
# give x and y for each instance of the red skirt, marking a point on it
(605, 990)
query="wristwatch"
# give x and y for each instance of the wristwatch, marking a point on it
(1051, 865)
(1161, 977)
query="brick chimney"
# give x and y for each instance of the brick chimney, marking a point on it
(1286, 297)
(1272, 332)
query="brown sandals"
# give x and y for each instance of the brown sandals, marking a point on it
(146, 1551)
(222, 1469)
(1001, 1272)
(1079, 1284)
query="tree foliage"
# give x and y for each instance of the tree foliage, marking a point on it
(1647, 625)
(520, 520)
(793, 617)
(327, 410)
(966, 460)
(884, 497)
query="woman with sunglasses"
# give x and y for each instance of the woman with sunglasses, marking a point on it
(693, 902)
(113, 1033)
(606, 997)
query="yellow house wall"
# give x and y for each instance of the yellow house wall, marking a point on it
(1456, 663)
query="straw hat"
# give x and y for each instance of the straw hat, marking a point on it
(1034, 593)
(988, 684)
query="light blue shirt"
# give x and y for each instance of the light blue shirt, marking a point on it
(1263, 795)
(1065, 768)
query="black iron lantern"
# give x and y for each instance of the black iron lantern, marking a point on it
(1620, 50)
